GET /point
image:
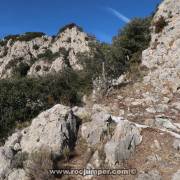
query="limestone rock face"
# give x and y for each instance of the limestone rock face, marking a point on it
(162, 57)
(53, 129)
(36, 52)
(73, 40)
(21, 51)
(94, 130)
(123, 142)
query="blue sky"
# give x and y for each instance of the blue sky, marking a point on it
(102, 18)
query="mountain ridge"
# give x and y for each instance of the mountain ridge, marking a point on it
(28, 47)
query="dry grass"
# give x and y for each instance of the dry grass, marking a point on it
(168, 163)
(38, 165)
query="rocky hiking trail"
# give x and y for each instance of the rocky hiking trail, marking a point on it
(160, 130)
(157, 156)
(104, 136)
(135, 125)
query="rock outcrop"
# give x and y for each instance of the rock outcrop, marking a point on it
(162, 57)
(123, 143)
(54, 130)
(44, 54)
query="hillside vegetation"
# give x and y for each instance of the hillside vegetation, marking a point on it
(124, 54)
(22, 98)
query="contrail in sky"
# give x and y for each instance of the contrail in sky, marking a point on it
(119, 15)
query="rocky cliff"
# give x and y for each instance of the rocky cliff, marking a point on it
(162, 57)
(43, 54)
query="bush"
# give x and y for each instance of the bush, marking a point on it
(13, 37)
(28, 36)
(3, 42)
(160, 24)
(92, 64)
(49, 55)
(21, 70)
(35, 47)
(125, 51)
(134, 36)
(23, 99)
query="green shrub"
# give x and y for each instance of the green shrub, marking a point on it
(129, 44)
(38, 68)
(49, 55)
(68, 40)
(21, 70)
(160, 24)
(135, 36)
(12, 63)
(28, 36)
(13, 37)
(116, 58)
(23, 99)
(64, 52)
(35, 47)
(3, 42)
(92, 64)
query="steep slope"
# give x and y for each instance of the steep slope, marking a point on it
(162, 57)
(152, 104)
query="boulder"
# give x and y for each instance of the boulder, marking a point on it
(163, 122)
(13, 141)
(101, 125)
(123, 143)
(151, 110)
(137, 102)
(53, 128)
(94, 130)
